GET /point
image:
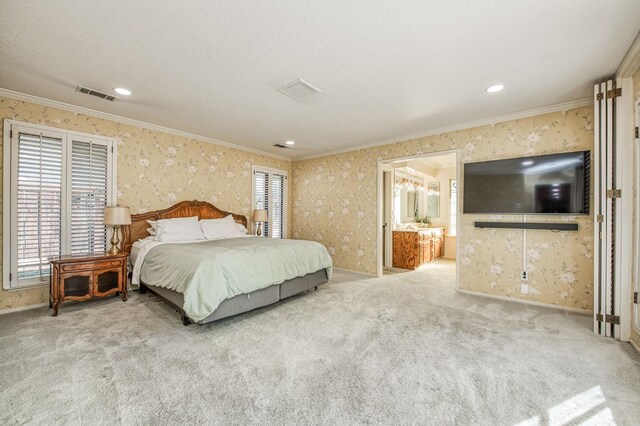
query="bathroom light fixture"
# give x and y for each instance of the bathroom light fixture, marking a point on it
(122, 91)
(290, 142)
(495, 88)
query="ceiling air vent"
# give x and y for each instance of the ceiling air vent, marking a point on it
(92, 92)
(299, 89)
(279, 145)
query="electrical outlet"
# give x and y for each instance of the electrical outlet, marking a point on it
(524, 289)
(524, 276)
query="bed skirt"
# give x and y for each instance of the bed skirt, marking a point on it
(243, 302)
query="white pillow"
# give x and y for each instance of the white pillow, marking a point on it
(242, 229)
(179, 229)
(215, 229)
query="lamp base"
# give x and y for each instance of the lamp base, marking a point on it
(115, 240)
(259, 231)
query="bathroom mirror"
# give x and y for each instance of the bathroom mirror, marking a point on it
(409, 198)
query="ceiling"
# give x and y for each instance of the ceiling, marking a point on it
(436, 161)
(386, 69)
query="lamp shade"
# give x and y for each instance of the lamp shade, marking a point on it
(117, 216)
(259, 215)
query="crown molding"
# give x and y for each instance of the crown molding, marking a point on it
(462, 126)
(631, 61)
(141, 124)
(131, 122)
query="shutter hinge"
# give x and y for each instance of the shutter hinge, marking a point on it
(614, 93)
(600, 218)
(610, 94)
(635, 297)
(637, 133)
(10, 277)
(611, 319)
(112, 149)
(614, 193)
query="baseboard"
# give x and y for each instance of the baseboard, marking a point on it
(22, 308)
(634, 346)
(527, 302)
(355, 272)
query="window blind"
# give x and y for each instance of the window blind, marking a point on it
(276, 210)
(39, 204)
(89, 170)
(59, 184)
(270, 193)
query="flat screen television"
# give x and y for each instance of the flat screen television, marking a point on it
(544, 184)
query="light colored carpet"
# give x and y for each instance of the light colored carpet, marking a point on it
(401, 349)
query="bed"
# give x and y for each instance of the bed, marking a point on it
(213, 279)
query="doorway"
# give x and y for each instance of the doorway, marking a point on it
(418, 214)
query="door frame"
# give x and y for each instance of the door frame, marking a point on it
(387, 242)
(635, 314)
(380, 205)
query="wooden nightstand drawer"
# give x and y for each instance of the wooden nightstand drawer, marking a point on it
(90, 266)
(83, 277)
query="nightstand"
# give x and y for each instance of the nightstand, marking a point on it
(83, 277)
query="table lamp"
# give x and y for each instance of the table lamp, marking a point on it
(116, 216)
(259, 216)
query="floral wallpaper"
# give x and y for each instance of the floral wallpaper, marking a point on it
(333, 198)
(334, 202)
(155, 170)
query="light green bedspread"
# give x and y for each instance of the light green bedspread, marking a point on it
(209, 272)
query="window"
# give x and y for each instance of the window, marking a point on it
(270, 193)
(56, 185)
(453, 206)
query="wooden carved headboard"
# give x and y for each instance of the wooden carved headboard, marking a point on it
(138, 228)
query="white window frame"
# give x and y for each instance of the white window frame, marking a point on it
(9, 259)
(285, 211)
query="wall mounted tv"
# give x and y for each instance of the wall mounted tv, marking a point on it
(544, 184)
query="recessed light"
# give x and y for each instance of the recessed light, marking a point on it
(122, 91)
(527, 162)
(290, 142)
(495, 88)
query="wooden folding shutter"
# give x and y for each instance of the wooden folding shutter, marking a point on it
(89, 176)
(612, 209)
(277, 205)
(37, 205)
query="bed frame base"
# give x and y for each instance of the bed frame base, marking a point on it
(244, 302)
